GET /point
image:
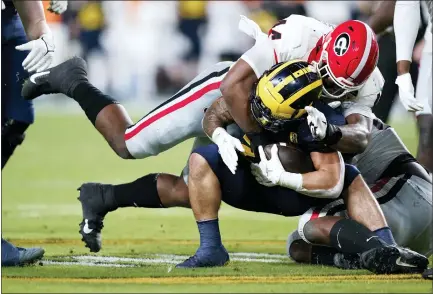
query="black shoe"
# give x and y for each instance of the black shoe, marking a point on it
(347, 261)
(62, 78)
(392, 260)
(96, 201)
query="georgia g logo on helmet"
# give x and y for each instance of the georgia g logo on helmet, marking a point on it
(341, 44)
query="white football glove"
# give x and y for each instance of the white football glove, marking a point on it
(406, 93)
(272, 169)
(260, 175)
(317, 123)
(57, 6)
(227, 146)
(41, 53)
(3, 5)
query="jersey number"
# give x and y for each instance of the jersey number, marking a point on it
(274, 34)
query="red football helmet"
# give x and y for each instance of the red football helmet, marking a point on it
(345, 58)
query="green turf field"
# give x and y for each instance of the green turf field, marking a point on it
(141, 246)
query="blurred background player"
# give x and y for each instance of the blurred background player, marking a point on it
(412, 49)
(27, 46)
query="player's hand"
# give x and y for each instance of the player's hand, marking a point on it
(41, 53)
(57, 6)
(260, 176)
(406, 93)
(227, 146)
(271, 169)
(317, 122)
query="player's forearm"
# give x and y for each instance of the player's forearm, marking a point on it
(216, 116)
(406, 24)
(382, 18)
(33, 18)
(318, 184)
(326, 182)
(236, 88)
(354, 139)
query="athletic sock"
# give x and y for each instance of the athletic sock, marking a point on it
(386, 235)
(209, 233)
(142, 192)
(348, 236)
(91, 100)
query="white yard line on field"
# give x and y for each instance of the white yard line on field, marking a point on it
(114, 261)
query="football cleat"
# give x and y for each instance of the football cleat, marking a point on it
(392, 260)
(347, 261)
(62, 78)
(208, 257)
(96, 201)
(428, 274)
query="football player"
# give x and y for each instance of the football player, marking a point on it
(403, 189)
(24, 29)
(164, 124)
(275, 190)
(179, 118)
(345, 55)
(240, 190)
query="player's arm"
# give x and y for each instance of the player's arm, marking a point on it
(41, 45)
(236, 88)
(216, 118)
(355, 135)
(406, 23)
(239, 81)
(326, 181)
(350, 138)
(33, 18)
(383, 16)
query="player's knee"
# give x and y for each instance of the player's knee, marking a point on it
(198, 166)
(306, 228)
(297, 249)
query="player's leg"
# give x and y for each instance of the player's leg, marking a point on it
(173, 121)
(179, 118)
(205, 197)
(149, 191)
(17, 113)
(411, 226)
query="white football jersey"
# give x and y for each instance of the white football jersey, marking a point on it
(294, 38)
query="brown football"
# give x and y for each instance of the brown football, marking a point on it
(294, 160)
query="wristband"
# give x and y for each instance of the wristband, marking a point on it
(291, 181)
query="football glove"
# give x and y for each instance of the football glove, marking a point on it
(227, 146)
(41, 53)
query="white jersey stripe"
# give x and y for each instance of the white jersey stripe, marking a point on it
(366, 52)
